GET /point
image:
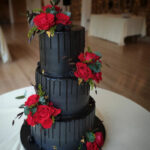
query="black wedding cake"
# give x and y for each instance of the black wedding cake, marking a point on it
(61, 116)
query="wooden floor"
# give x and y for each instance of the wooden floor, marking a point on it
(126, 70)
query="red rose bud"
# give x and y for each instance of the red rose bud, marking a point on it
(32, 100)
(44, 21)
(97, 77)
(62, 19)
(99, 139)
(92, 146)
(57, 8)
(91, 57)
(31, 120)
(83, 71)
(47, 123)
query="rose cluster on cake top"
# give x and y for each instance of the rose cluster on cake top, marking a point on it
(48, 19)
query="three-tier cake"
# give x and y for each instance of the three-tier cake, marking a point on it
(62, 112)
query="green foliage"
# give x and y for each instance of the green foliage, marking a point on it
(32, 31)
(20, 97)
(67, 13)
(37, 10)
(89, 50)
(53, 119)
(21, 106)
(51, 10)
(54, 12)
(52, 30)
(90, 136)
(40, 91)
(42, 100)
(91, 83)
(48, 10)
(26, 111)
(33, 110)
(54, 2)
(95, 67)
(98, 54)
(41, 32)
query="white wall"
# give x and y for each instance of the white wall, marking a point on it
(86, 13)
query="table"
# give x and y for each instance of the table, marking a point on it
(116, 28)
(4, 52)
(127, 124)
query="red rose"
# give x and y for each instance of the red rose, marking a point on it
(44, 21)
(32, 100)
(47, 123)
(81, 57)
(44, 112)
(57, 8)
(92, 146)
(90, 57)
(83, 71)
(31, 119)
(56, 112)
(62, 19)
(97, 77)
(99, 139)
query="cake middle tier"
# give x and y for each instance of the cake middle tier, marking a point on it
(65, 93)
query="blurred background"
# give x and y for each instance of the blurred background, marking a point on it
(119, 29)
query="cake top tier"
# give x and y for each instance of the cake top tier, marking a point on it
(60, 41)
(60, 52)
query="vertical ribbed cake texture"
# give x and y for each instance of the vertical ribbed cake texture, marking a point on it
(55, 74)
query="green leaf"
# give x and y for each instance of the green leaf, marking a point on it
(42, 100)
(32, 31)
(21, 106)
(90, 136)
(98, 54)
(20, 97)
(37, 10)
(56, 2)
(48, 10)
(53, 119)
(91, 83)
(42, 31)
(26, 111)
(54, 12)
(95, 67)
(52, 30)
(33, 110)
(40, 92)
(89, 50)
(51, 2)
(67, 13)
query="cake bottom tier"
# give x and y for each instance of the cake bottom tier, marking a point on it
(65, 134)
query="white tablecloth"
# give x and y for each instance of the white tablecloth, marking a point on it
(115, 28)
(127, 124)
(4, 52)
